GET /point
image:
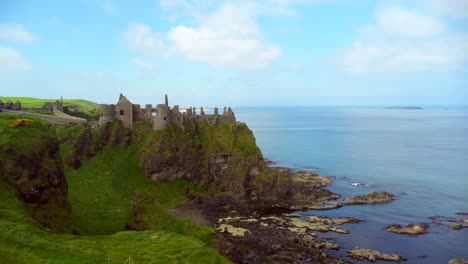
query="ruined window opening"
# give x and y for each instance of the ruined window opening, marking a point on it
(178, 118)
(101, 114)
(164, 118)
(153, 114)
(121, 112)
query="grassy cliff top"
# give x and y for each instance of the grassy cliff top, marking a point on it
(31, 102)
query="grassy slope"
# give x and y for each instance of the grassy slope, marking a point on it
(113, 184)
(103, 190)
(22, 241)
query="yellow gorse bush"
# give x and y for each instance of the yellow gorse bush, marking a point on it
(22, 122)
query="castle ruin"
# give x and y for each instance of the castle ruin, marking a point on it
(53, 107)
(162, 115)
(9, 105)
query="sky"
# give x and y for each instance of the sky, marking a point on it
(237, 53)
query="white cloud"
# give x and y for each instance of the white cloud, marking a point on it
(146, 66)
(140, 37)
(390, 47)
(454, 8)
(228, 38)
(12, 61)
(15, 32)
(406, 23)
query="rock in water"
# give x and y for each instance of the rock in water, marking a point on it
(373, 255)
(411, 229)
(371, 198)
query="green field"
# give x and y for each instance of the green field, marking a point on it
(31, 102)
(102, 194)
(75, 107)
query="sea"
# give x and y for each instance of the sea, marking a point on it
(421, 156)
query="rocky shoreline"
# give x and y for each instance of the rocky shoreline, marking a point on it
(274, 233)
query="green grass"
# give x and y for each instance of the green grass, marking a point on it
(22, 241)
(30, 102)
(10, 135)
(102, 192)
(75, 107)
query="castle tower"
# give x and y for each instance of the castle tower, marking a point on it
(58, 105)
(17, 106)
(149, 111)
(162, 118)
(176, 116)
(124, 111)
(9, 105)
(106, 113)
(166, 100)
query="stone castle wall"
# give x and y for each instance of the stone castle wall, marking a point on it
(106, 113)
(162, 115)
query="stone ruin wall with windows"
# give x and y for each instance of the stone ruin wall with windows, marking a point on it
(162, 115)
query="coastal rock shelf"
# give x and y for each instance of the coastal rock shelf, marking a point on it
(283, 238)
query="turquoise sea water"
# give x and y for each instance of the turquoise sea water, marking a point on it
(419, 155)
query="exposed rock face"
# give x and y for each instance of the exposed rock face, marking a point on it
(32, 167)
(373, 255)
(227, 162)
(411, 229)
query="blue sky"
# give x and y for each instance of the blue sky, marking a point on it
(239, 53)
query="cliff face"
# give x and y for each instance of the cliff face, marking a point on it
(80, 142)
(31, 166)
(224, 159)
